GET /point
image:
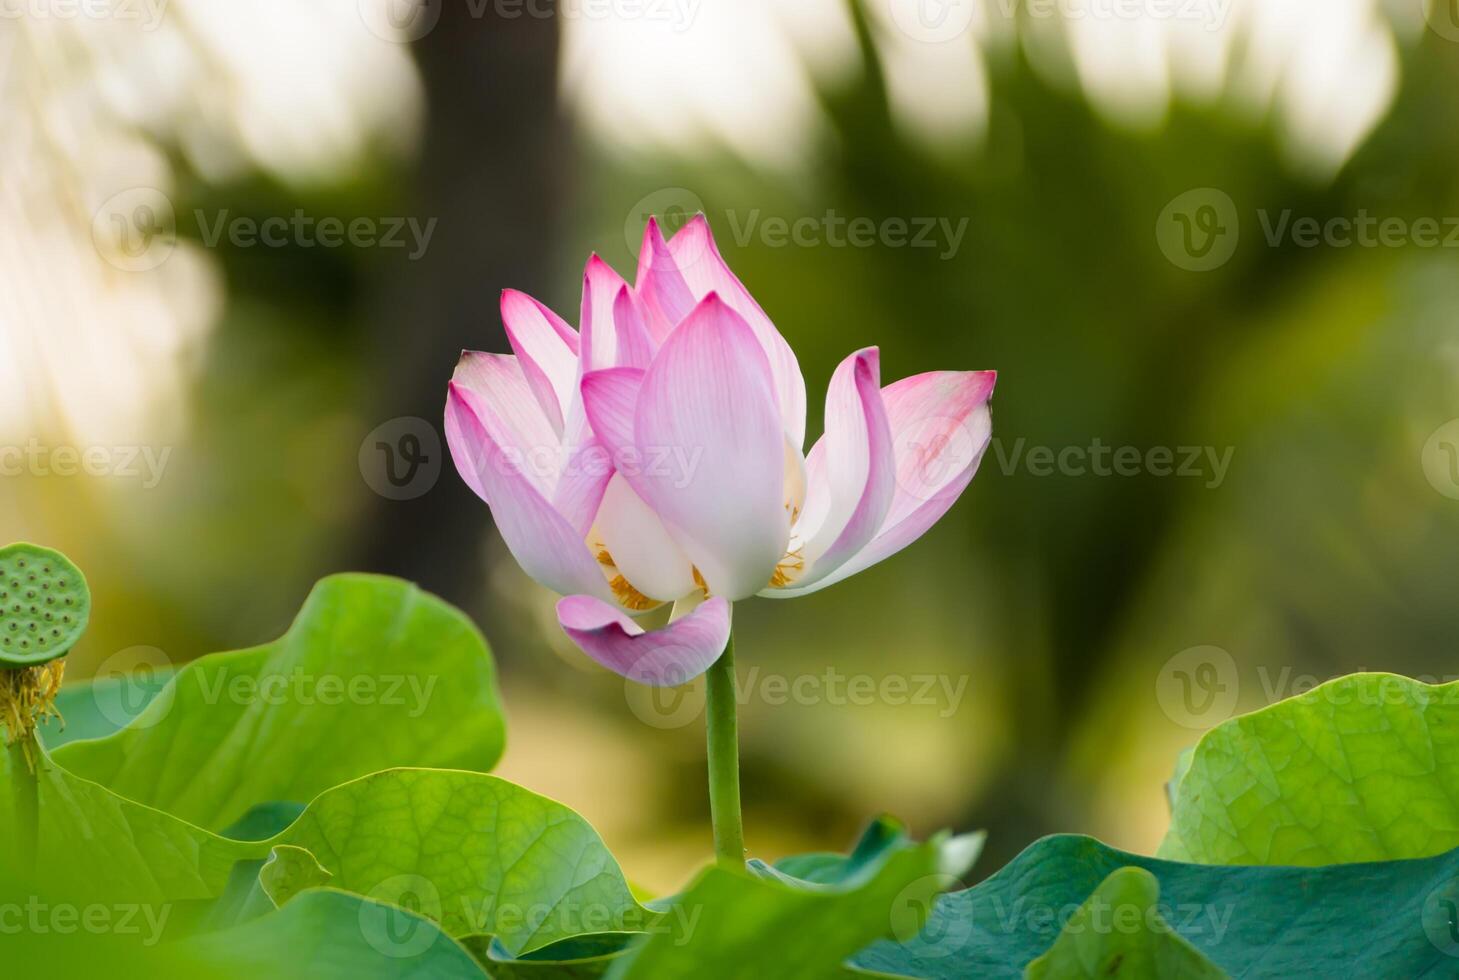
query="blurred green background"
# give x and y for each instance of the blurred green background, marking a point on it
(1117, 207)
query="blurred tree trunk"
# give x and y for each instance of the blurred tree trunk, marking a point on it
(492, 171)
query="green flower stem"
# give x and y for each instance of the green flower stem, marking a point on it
(26, 800)
(722, 726)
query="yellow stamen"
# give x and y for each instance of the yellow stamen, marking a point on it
(623, 590)
(788, 569)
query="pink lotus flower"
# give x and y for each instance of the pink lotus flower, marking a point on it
(656, 456)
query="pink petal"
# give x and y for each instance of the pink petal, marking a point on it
(635, 344)
(666, 657)
(851, 473)
(497, 390)
(941, 426)
(613, 330)
(661, 288)
(586, 470)
(547, 349)
(543, 542)
(641, 547)
(713, 451)
(705, 271)
(610, 399)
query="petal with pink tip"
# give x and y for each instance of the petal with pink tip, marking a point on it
(613, 331)
(667, 657)
(661, 287)
(704, 271)
(542, 541)
(712, 449)
(941, 426)
(547, 349)
(498, 391)
(851, 473)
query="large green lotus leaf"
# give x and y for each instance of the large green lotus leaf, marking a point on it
(94, 844)
(1390, 919)
(1362, 768)
(325, 934)
(473, 852)
(759, 924)
(373, 674)
(1119, 932)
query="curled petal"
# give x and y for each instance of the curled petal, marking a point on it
(702, 268)
(712, 451)
(851, 473)
(542, 541)
(547, 349)
(673, 655)
(941, 426)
